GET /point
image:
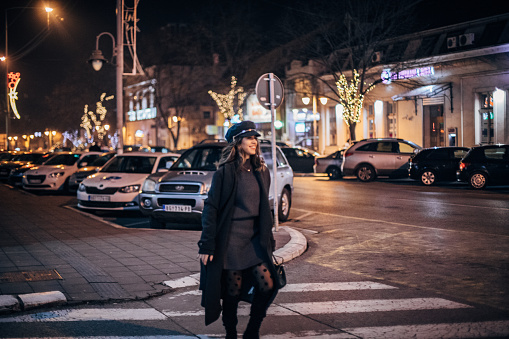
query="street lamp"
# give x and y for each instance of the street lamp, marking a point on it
(5, 59)
(97, 60)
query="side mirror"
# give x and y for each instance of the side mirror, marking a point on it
(83, 164)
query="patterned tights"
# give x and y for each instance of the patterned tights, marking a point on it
(260, 272)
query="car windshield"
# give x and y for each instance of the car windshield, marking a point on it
(202, 158)
(130, 164)
(63, 159)
(102, 160)
(43, 158)
(30, 157)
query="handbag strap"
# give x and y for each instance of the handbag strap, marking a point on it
(275, 260)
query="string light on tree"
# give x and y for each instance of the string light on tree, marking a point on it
(91, 121)
(228, 102)
(352, 97)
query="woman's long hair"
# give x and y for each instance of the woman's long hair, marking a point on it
(234, 153)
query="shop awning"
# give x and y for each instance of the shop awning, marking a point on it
(423, 92)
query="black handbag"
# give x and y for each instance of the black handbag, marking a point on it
(280, 273)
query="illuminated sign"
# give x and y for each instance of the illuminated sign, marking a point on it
(142, 114)
(256, 112)
(387, 76)
(12, 84)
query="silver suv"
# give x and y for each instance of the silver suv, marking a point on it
(178, 196)
(370, 158)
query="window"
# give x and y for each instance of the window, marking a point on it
(391, 121)
(494, 153)
(439, 154)
(206, 114)
(371, 122)
(405, 148)
(459, 153)
(384, 146)
(486, 115)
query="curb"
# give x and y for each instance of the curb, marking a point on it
(295, 247)
(22, 302)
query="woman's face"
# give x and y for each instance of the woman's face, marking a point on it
(248, 145)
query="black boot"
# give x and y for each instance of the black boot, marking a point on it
(230, 305)
(258, 312)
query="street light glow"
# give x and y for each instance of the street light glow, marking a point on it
(48, 9)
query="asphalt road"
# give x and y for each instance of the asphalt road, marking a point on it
(447, 239)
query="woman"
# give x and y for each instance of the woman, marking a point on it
(236, 242)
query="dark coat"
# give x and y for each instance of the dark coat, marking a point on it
(216, 223)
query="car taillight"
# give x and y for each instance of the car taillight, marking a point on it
(463, 165)
(347, 154)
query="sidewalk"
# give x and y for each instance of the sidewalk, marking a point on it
(53, 254)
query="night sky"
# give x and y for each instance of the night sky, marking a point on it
(72, 40)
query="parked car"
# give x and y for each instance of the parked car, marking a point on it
(178, 196)
(16, 176)
(78, 176)
(18, 161)
(301, 159)
(485, 165)
(370, 158)
(54, 174)
(330, 164)
(117, 184)
(435, 164)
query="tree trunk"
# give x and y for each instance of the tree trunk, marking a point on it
(351, 128)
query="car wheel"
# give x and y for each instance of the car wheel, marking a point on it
(478, 180)
(366, 173)
(428, 177)
(334, 173)
(284, 205)
(154, 223)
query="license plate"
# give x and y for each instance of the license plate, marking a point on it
(98, 198)
(177, 208)
(35, 181)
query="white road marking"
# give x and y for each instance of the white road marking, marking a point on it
(481, 329)
(347, 306)
(338, 286)
(400, 224)
(89, 314)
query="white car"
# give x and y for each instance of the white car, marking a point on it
(54, 174)
(117, 185)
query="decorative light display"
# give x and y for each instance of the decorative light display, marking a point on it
(91, 121)
(73, 137)
(227, 102)
(351, 97)
(12, 84)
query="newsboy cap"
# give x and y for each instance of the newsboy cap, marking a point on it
(242, 129)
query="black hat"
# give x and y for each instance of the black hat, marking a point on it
(242, 129)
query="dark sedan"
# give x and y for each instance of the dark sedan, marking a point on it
(301, 159)
(485, 165)
(436, 164)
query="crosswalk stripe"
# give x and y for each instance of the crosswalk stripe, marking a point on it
(89, 314)
(339, 286)
(348, 306)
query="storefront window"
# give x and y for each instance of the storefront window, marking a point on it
(486, 113)
(333, 139)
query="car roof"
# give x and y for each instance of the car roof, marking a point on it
(147, 154)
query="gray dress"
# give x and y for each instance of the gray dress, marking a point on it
(243, 249)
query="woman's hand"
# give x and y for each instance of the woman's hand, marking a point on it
(205, 258)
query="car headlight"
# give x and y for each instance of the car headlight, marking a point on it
(148, 186)
(130, 189)
(56, 174)
(81, 188)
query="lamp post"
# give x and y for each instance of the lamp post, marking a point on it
(97, 60)
(5, 59)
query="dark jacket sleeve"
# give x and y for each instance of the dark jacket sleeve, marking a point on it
(207, 243)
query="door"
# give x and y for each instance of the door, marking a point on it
(403, 152)
(434, 134)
